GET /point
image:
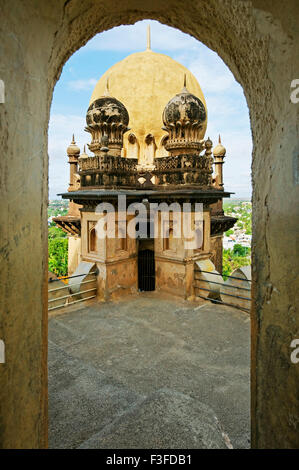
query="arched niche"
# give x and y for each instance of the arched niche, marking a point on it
(149, 149)
(133, 146)
(92, 240)
(161, 151)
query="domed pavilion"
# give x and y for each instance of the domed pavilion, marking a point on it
(151, 174)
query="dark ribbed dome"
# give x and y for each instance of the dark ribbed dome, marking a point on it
(184, 108)
(107, 110)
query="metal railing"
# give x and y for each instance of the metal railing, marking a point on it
(71, 295)
(220, 292)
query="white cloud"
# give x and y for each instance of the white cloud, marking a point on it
(209, 69)
(61, 129)
(237, 163)
(213, 78)
(133, 38)
(79, 85)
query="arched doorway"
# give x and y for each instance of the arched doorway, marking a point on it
(146, 270)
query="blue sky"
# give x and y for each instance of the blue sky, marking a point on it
(227, 108)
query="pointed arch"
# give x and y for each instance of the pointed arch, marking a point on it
(150, 149)
(133, 146)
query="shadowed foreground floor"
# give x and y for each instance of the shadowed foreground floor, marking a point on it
(149, 372)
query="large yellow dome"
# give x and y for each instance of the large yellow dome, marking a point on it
(144, 82)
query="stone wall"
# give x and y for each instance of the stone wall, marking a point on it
(74, 254)
(258, 40)
(217, 252)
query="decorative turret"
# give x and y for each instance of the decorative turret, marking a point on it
(107, 116)
(219, 153)
(73, 152)
(219, 150)
(184, 117)
(83, 156)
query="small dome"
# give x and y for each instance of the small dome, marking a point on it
(84, 154)
(219, 150)
(107, 110)
(184, 108)
(73, 149)
(108, 119)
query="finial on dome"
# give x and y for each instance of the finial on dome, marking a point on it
(148, 45)
(73, 139)
(219, 140)
(209, 143)
(184, 90)
(84, 154)
(107, 91)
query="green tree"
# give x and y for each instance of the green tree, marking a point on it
(55, 232)
(58, 256)
(229, 232)
(240, 250)
(233, 260)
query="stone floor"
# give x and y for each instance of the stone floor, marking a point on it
(148, 373)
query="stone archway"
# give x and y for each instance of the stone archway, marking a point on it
(257, 39)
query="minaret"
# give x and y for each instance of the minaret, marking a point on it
(83, 155)
(73, 153)
(219, 153)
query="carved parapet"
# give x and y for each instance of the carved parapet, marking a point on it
(108, 171)
(118, 172)
(183, 170)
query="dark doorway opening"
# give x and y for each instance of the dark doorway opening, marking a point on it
(146, 270)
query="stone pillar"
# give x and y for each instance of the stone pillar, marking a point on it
(115, 255)
(73, 153)
(219, 171)
(219, 153)
(175, 255)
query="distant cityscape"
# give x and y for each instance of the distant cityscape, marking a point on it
(56, 208)
(241, 233)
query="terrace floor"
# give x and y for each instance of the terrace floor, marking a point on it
(149, 372)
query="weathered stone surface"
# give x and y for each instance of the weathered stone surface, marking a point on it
(258, 40)
(150, 372)
(164, 420)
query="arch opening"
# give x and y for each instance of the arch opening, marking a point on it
(258, 41)
(145, 149)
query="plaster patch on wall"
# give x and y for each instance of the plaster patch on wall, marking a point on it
(2, 92)
(2, 352)
(296, 166)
